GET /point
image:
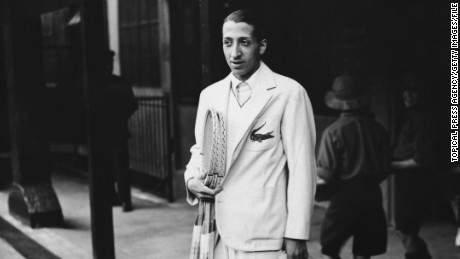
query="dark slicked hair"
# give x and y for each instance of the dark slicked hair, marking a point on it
(251, 18)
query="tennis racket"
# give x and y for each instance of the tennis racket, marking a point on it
(213, 166)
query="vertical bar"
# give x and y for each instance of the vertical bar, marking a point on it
(164, 44)
(93, 43)
(134, 141)
(158, 122)
(7, 59)
(157, 136)
(140, 148)
(145, 121)
(205, 43)
(114, 30)
(168, 152)
(153, 161)
(138, 41)
(161, 136)
(150, 115)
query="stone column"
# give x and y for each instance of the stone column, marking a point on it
(32, 198)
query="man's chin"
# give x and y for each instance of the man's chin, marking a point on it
(238, 72)
(237, 69)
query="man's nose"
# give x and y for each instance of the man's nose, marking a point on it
(236, 51)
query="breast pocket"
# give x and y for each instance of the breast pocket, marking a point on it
(264, 134)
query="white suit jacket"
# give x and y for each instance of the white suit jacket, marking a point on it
(269, 186)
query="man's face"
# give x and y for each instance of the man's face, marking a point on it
(241, 49)
(410, 98)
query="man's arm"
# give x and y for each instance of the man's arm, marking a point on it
(422, 151)
(193, 168)
(423, 155)
(192, 171)
(298, 135)
(327, 159)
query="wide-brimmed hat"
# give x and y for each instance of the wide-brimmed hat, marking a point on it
(347, 94)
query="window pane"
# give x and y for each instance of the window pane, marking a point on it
(139, 42)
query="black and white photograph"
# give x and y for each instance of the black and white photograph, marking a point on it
(229, 129)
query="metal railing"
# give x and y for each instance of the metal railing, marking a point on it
(149, 146)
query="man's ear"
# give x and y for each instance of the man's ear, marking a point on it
(262, 46)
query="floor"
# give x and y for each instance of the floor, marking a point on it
(157, 229)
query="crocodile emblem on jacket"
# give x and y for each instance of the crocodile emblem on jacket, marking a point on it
(260, 137)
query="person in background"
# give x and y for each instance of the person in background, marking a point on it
(265, 201)
(119, 105)
(412, 164)
(354, 157)
(454, 198)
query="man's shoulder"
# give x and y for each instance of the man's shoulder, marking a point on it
(284, 79)
(215, 87)
(335, 126)
(351, 124)
(341, 124)
(284, 83)
(288, 85)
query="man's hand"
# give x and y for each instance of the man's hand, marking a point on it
(296, 249)
(201, 191)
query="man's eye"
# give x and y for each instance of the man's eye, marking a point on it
(245, 43)
(227, 43)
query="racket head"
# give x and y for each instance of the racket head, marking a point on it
(208, 142)
(213, 148)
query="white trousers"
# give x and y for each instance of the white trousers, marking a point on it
(224, 252)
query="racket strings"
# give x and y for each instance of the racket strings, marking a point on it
(216, 169)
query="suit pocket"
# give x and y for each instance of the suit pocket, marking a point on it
(266, 213)
(264, 134)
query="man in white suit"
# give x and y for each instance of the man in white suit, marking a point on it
(265, 201)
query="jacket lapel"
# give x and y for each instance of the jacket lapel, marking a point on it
(221, 96)
(260, 98)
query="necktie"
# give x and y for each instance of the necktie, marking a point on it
(243, 93)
